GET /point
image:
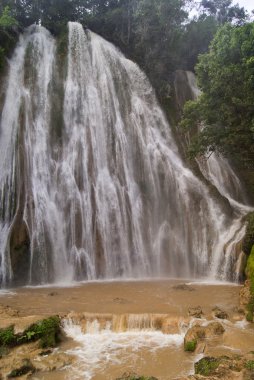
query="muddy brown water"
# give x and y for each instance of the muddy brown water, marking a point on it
(123, 297)
(106, 355)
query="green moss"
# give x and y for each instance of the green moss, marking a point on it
(47, 331)
(190, 346)
(249, 316)
(250, 264)
(206, 366)
(250, 275)
(7, 337)
(250, 365)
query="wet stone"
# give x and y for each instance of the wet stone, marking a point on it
(219, 313)
(195, 312)
(184, 287)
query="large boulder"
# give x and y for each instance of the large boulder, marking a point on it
(197, 333)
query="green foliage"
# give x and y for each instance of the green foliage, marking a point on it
(6, 19)
(7, 336)
(47, 331)
(190, 346)
(248, 241)
(7, 37)
(250, 264)
(250, 365)
(250, 275)
(155, 34)
(249, 316)
(225, 108)
(206, 366)
(197, 36)
(224, 11)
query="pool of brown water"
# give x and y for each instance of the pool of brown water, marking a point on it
(105, 353)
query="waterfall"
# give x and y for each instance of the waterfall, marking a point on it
(90, 170)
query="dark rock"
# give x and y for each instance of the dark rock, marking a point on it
(195, 312)
(134, 376)
(219, 313)
(26, 368)
(45, 353)
(184, 287)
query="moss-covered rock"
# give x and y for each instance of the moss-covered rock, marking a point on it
(196, 333)
(206, 366)
(7, 337)
(26, 368)
(250, 275)
(47, 331)
(190, 345)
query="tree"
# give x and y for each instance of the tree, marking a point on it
(6, 19)
(224, 11)
(7, 35)
(225, 108)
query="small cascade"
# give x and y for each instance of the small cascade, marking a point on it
(91, 174)
(101, 350)
(120, 323)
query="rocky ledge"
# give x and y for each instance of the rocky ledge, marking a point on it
(28, 345)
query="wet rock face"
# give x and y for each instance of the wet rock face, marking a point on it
(245, 294)
(182, 89)
(20, 252)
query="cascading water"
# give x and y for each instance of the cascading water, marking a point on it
(106, 194)
(217, 170)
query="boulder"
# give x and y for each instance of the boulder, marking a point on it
(219, 313)
(214, 329)
(195, 312)
(196, 333)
